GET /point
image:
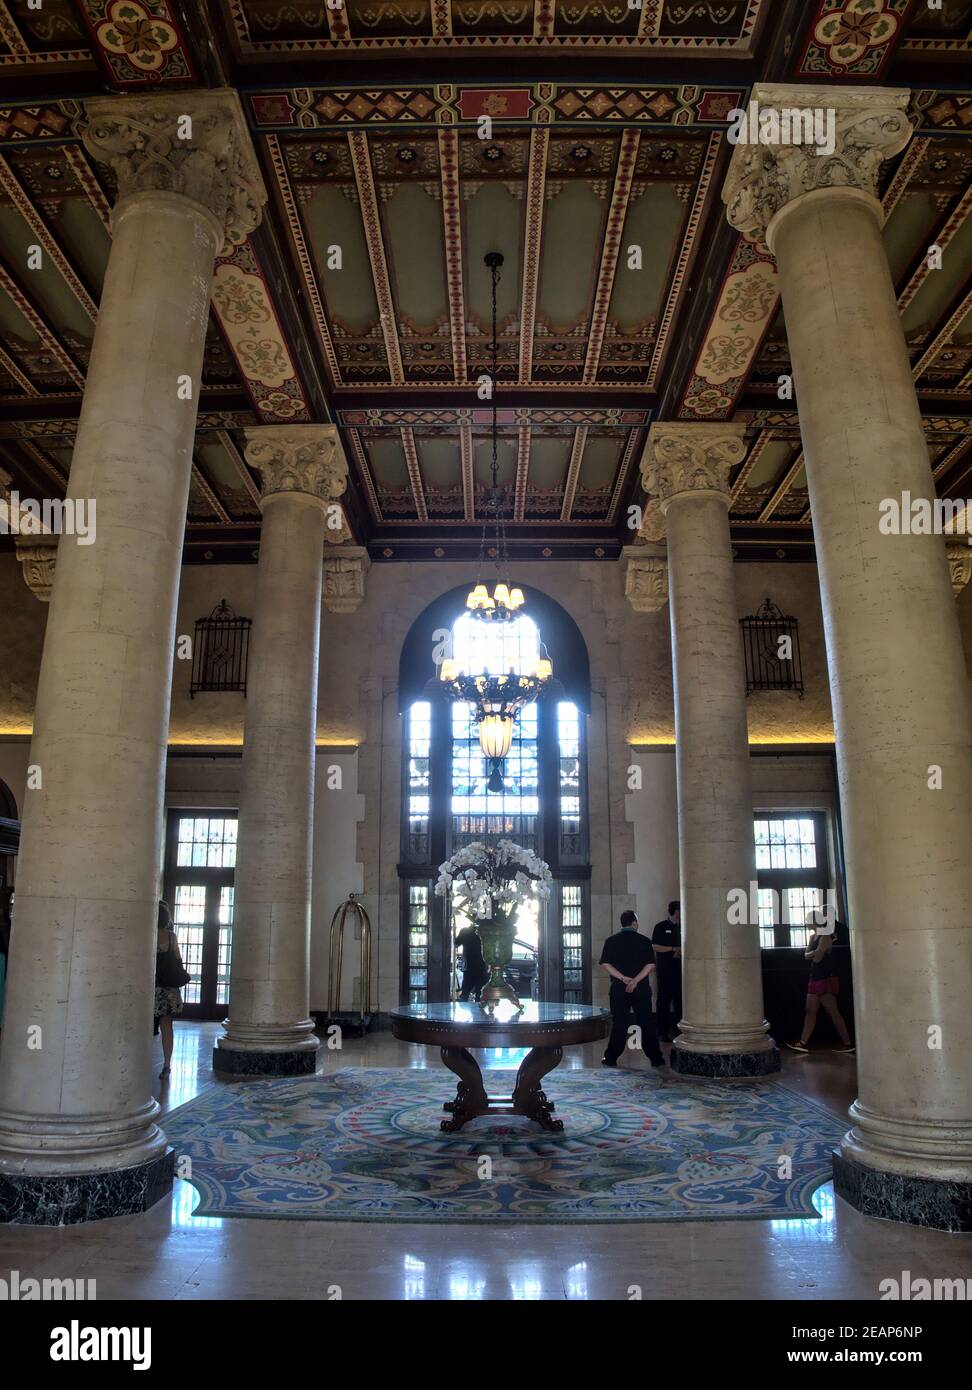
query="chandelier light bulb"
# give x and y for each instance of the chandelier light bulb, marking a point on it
(496, 736)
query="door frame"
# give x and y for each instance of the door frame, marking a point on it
(214, 880)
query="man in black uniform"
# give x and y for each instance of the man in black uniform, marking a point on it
(666, 940)
(629, 960)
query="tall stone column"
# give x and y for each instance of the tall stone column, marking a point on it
(78, 1132)
(723, 1033)
(269, 1031)
(897, 675)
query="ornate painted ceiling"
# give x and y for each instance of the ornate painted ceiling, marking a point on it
(402, 141)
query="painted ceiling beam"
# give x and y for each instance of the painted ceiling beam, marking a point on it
(414, 474)
(782, 488)
(536, 183)
(573, 471)
(762, 440)
(523, 442)
(468, 480)
(46, 239)
(610, 251)
(452, 242)
(239, 463)
(374, 239)
(46, 335)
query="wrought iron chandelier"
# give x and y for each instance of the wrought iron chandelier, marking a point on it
(497, 699)
(501, 605)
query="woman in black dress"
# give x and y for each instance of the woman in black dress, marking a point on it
(475, 971)
(168, 998)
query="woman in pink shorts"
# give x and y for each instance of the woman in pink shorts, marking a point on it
(822, 991)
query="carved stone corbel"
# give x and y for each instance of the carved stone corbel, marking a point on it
(38, 555)
(345, 568)
(646, 578)
(959, 563)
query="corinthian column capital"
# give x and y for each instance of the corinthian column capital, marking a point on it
(305, 459)
(192, 143)
(844, 136)
(692, 457)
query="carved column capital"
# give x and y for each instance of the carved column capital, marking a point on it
(861, 126)
(38, 555)
(959, 563)
(345, 568)
(646, 579)
(305, 459)
(682, 458)
(192, 143)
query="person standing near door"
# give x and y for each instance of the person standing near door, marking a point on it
(666, 940)
(629, 960)
(168, 995)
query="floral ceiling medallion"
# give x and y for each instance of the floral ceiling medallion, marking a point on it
(853, 38)
(139, 41)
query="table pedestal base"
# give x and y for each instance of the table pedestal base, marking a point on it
(528, 1098)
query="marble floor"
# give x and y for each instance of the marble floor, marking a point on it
(168, 1254)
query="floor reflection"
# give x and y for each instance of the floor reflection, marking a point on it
(185, 1199)
(415, 1283)
(808, 1228)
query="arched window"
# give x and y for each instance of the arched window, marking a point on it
(447, 804)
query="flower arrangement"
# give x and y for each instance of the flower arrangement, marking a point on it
(489, 881)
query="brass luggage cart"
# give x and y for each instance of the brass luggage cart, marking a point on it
(362, 1017)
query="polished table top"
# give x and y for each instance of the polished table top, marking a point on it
(467, 1025)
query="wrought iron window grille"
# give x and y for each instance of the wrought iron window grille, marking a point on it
(771, 642)
(219, 651)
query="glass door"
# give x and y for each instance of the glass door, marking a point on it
(200, 869)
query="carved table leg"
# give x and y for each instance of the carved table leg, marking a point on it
(528, 1098)
(470, 1098)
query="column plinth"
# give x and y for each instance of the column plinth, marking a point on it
(269, 1031)
(78, 1132)
(723, 1032)
(897, 677)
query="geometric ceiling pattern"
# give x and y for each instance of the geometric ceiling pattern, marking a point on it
(400, 143)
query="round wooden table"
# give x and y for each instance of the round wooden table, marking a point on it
(545, 1028)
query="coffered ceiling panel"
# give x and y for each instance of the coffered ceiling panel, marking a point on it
(401, 142)
(391, 231)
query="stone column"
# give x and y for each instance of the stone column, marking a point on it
(723, 1033)
(269, 1031)
(897, 675)
(78, 1132)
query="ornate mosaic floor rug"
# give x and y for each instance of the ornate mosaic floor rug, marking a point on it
(365, 1145)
